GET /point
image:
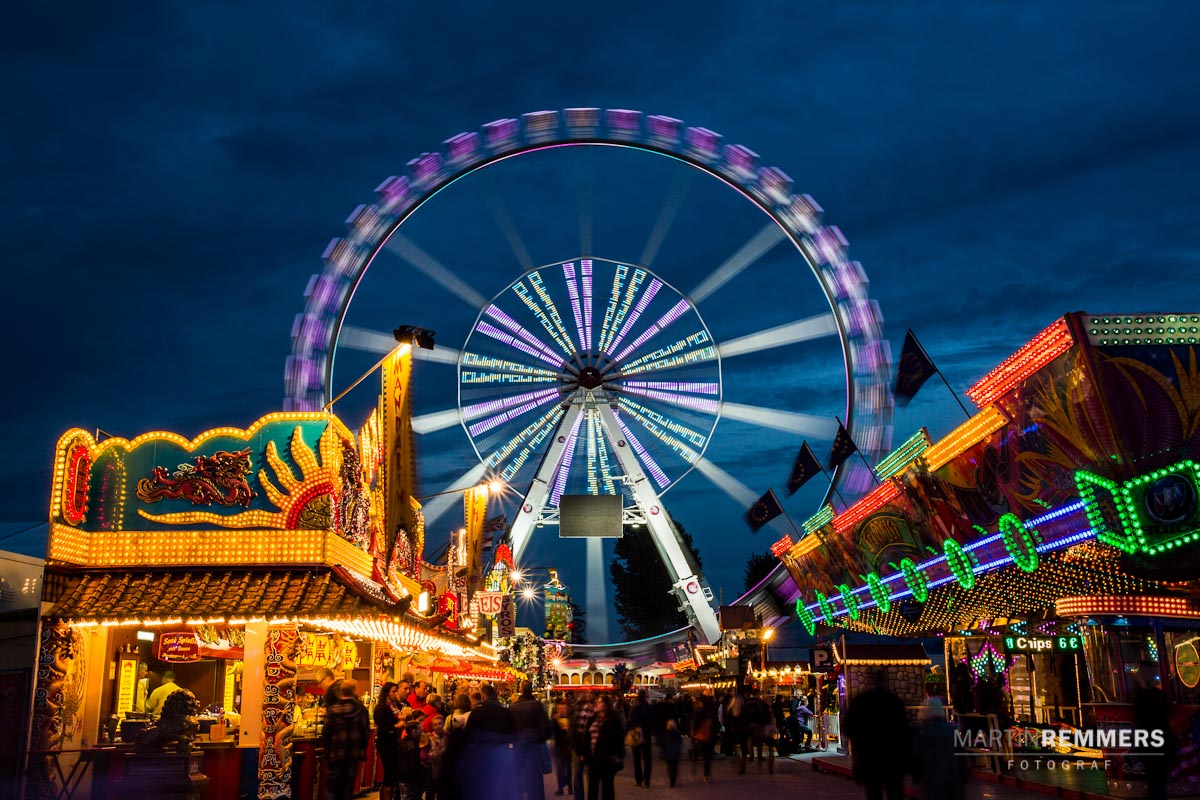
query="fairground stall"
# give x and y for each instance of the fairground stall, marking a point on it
(1051, 539)
(257, 566)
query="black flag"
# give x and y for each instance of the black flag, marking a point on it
(915, 368)
(843, 447)
(805, 467)
(766, 509)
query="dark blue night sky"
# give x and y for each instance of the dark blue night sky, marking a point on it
(173, 172)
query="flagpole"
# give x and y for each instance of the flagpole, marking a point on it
(943, 377)
(870, 469)
(829, 478)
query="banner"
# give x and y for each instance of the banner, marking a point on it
(490, 603)
(766, 509)
(506, 621)
(805, 466)
(915, 368)
(475, 505)
(399, 467)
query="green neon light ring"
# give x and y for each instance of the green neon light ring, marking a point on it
(826, 608)
(914, 579)
(879, 593)
(1020, 543)
(806, 617)
(850, 601)
(960, 564)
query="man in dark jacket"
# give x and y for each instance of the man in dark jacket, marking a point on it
(640, 733)
(532, 729)
(880, 740)
(489, 734)
(345, 740)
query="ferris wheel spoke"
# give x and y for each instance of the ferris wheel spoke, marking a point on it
(811, 425)
(435, 270)
(538, 350)
(636, 313)
(739, 492)
(563, 470)
(580, 292)
(801, 330)
(694, 348)
(508, 409)
(676, 311)
(707, 405)
(754, 249)
(436, 506)
(545, 310)
(654, 422)
(504, 222)
(666, 433)
(523, 444)
(671, 206)
(643, 455)
(435, 421)
(625, 285)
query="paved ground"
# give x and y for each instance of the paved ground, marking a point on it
(793, 778)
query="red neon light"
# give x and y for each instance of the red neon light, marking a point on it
(1037, 353)
(1133, 605)
(781, 546)
(880, 496)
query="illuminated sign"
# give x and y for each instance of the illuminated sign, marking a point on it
(178, 647)
(490, 603)
(1042, 644)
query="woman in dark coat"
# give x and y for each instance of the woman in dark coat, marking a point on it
(606, 753)
(386, 743)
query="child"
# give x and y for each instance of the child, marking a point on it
(410, 772)
(672, 745)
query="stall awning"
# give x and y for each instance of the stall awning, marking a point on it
(98, 596)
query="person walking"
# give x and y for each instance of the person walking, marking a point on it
(564, 750)
(387, 725)
(704, 732)
(531, 729)
(345, 741)
(487, 755)
(606, 756)
(639, 738)
(672, 747)
(581, 740)
(880, 740)
(410, 772)
(1152, 713)
(936, 769)
(456, 738)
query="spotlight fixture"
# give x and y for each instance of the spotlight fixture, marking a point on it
(411, 334)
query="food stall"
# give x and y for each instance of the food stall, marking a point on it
(1052, 539)
(246, 563)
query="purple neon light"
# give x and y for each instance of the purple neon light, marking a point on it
(702, 140)
(573, 291)
(666, 129)
(462, 146)
(426, 166)
(676, 386)
(506, 416)
(656, 472)
(585, 267)
(697, 403)
(512, 341)
(564, 467)
(501, 132)
(643, 301)
(492, 406)
(511, 324)
(666, 319)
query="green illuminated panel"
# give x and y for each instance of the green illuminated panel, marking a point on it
(903, 455)
(1143, 329)
(819, 520)
(1158, 511)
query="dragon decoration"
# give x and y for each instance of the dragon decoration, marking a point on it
(219, 478)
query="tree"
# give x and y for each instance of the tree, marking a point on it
(758, 567)
(645, 604)
(577, 634)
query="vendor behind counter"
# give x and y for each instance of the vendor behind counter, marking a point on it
(154, 703)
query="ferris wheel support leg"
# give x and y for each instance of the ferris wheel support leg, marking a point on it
(535, 499)
(689, 585)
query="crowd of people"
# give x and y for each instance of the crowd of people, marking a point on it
(473, 746)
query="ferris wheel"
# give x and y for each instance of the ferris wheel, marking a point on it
(594, 374)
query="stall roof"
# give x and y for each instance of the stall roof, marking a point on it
(906, 651)
(86, 596)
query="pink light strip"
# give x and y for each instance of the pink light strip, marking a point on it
(675, 386)
(687, 401)
(501, 336)
(500, 419)
(666, 319)
(643, 301)
(492, 406)
(564, 467)
(573, 291)
(511, 324)
(656, 472)
(585, 267)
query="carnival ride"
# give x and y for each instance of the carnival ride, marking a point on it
(596, 375)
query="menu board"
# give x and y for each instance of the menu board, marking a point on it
(127, 678)
(178, 647)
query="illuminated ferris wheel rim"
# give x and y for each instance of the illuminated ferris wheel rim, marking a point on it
(613, 374)
(309, 370)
